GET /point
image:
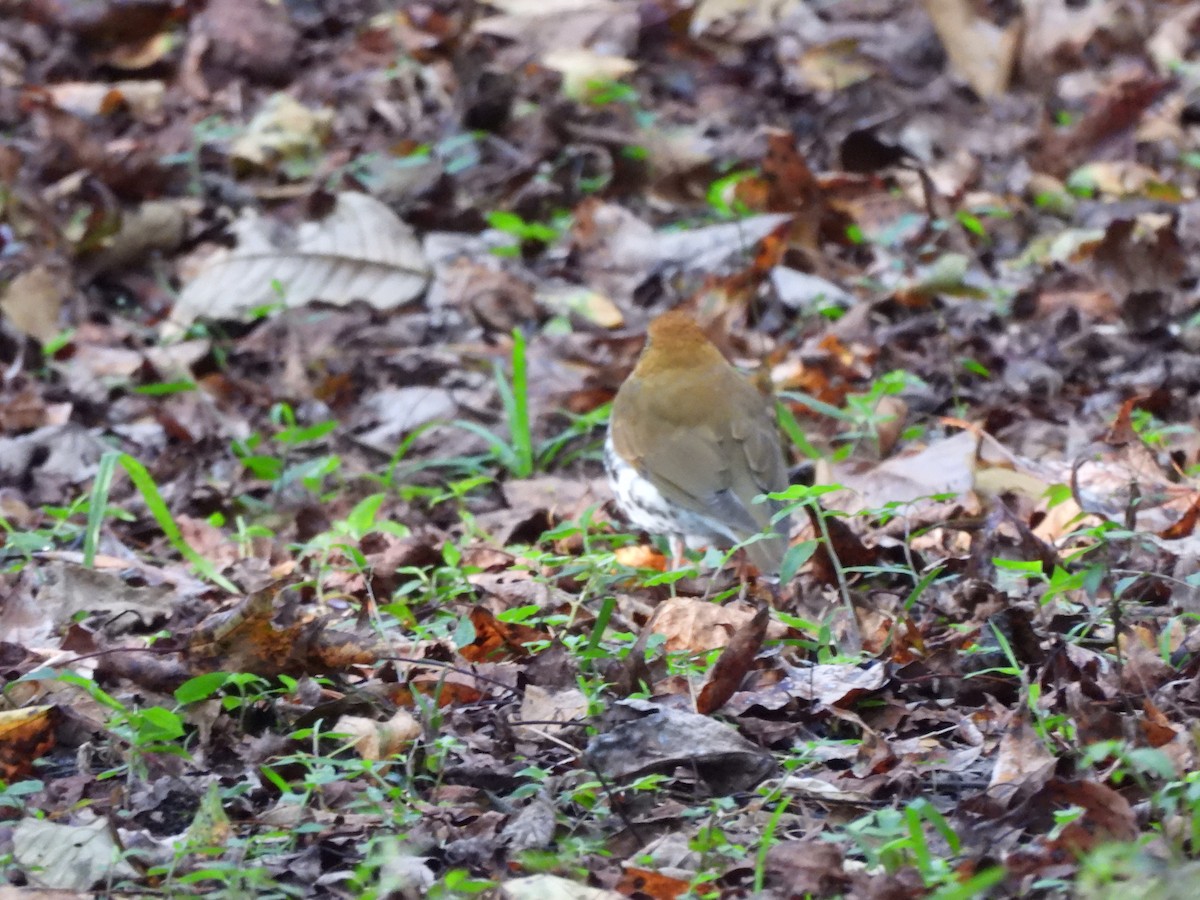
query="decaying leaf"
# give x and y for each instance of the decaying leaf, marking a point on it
(648, 738)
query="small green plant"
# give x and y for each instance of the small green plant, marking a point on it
(16, 795)
(894, 838)
(143, 731)
(861, 413)
(281, 468)
(459, 883)
(518, 454)
(527, 234)
(603, 91)
(722, 195)
(97, 509)
(1153, 430)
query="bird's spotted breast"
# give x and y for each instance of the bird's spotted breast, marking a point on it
(650, 511)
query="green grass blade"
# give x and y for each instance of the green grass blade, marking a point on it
(143, 481)
(795, 433)
(522, 437)
(98, 504)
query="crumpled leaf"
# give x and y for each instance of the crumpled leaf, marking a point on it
(25, 735)
(282, 129)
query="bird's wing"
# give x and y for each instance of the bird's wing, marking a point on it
(696, 466)
(688, 466)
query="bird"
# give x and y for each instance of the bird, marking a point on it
(691, 442)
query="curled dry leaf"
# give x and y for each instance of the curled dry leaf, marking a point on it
(733, 663)
(1023, 760)
(581, 69)
(282, 129)
(144, 99)
(545, 707)
(648, 883)
(360, 251)
(833, 683)
(379, 740)
(156, 225)
(496, 640)
(552, 887)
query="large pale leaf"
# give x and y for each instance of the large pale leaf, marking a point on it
(67, 857)
(360, 251)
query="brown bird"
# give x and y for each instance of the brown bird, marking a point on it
(692, 442)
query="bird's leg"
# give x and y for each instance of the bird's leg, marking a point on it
(742, 567)
(678, 552)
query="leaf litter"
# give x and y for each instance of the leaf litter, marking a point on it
(277, 254)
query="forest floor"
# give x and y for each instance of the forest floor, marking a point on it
(311, 584)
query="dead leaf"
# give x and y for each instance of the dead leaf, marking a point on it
(144, 99)
(32, 300)
(583, 69)
(690, 623)
(545, 707)
(734, 662)
(360, 251)
(833, 66)
(808, 867)
(573, 300)
(552, 887)
(641, 737)
(651, 884)
(1023, 762)
(497, 640)
(26, 735)
(377, 741)
(944, 467)
(981, 52)
(68, 857)
(832, 684)
(155, 226)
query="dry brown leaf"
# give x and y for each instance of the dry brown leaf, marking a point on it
(734, 662)
(654, 885)
(1022, 761)
(26, 735)
(544, 707)
(689, 623)
(832, 684)
(32, 300)
(581, 69)
(380, 740)
(496, 640)
(640, 556)
(981, 52)
(283, 129)
(144, 99)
